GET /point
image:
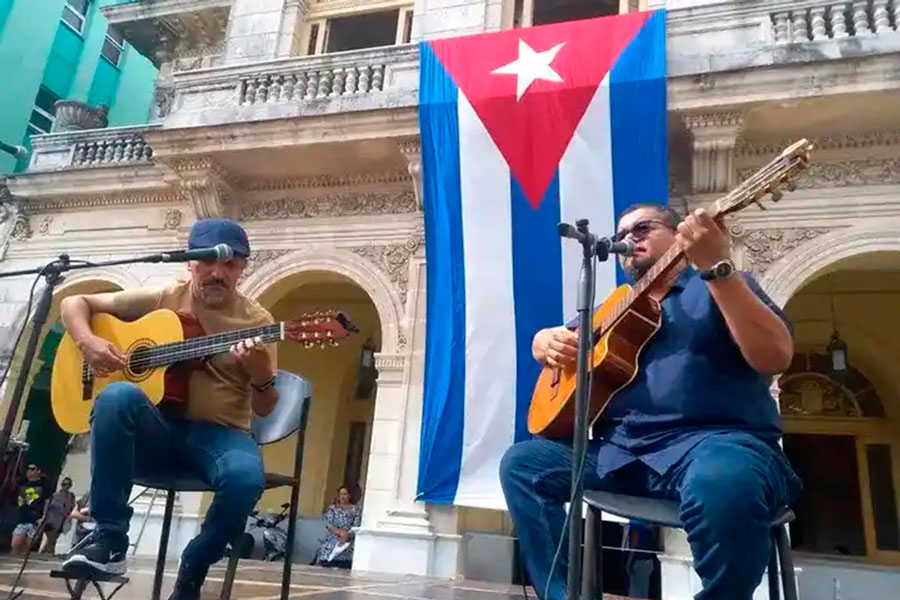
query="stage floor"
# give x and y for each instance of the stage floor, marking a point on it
(261, 581)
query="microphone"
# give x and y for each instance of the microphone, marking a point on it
(218, 252)
(625, 247)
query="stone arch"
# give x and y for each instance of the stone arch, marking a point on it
(361, 271)
(806, 262)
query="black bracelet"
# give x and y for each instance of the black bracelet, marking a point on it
(263, 387)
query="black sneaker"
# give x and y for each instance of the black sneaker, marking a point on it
(190, 580)
(105, 553)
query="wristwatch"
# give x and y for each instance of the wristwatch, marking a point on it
(262, 388)
(721, 270)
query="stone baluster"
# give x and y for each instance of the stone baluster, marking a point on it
(128, 150)
(861, 18)
(287, 90)
(838, 20)
(275, 89)
(817, 23)
(120, 150)
(895, 14)
(91, 153)
(350, 82)
(78, 157)
(109, 152)
(146, 151)
(377, 77)
(324, 84)
(262, 89)
(300, 87)
(240, 92)
(337, 87)
(312, 84)
(364, 76)
(880, 16)
(782, 33)
(799, 27)
(250, 92)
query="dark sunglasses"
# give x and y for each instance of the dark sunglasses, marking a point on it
(31, 468)
(641, 229)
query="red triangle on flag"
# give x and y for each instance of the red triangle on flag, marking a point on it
(530, 87)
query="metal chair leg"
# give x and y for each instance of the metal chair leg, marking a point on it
(231, 570)
(786, 559)
(163, 546)
(289, 549)
(589, 557)
(772, 575)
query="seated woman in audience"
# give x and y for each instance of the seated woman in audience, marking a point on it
(337, 547)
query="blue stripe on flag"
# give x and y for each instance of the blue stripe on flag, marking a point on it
(637, 99)
(537, 265)
(445, 326)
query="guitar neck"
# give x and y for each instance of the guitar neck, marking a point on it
(668, 266)
(201, 347)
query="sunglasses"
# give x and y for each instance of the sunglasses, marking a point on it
(641, 229)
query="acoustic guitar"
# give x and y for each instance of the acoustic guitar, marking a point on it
(629, 317)
(161, 348)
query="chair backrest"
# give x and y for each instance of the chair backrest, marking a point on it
(289, 414)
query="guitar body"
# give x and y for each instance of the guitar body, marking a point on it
(72, 395)
(614, 363)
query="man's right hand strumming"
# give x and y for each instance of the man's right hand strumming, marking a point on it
(556, 347)
(101, 355)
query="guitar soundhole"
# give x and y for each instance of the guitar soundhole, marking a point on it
(139, 366)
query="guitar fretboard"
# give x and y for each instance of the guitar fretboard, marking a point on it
(200, 347)
(671, 261)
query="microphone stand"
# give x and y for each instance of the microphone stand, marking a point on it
(591, 247)
(52, 274)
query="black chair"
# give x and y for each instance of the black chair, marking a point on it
(289, 416)
(665, 513)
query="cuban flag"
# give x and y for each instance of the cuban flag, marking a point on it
(521, 130)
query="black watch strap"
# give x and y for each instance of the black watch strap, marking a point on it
(263, 387)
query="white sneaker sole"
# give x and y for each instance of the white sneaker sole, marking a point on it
(110, 568)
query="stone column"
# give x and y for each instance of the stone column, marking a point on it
(261, 29)
(398, 534)
(434, 19)
(714, 138)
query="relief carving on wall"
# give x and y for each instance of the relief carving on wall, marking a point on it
(763, 247)
(332, 205)
(871, 171)
(393, 259)
(260, 257)
(172, 219)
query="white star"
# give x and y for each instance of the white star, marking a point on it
(530, 66)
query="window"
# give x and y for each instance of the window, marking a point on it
(368, 30)
(74, 13)
(113, 46)
(544, 12)
(44, 112)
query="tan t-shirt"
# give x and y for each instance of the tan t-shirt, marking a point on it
(219, 388)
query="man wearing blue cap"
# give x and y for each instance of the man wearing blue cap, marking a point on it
(206, 434)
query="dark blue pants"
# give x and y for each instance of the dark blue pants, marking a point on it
(129, 437)
(730, 486)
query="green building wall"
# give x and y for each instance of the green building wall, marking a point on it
(37, 48)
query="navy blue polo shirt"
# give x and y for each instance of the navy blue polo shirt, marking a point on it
(692, 382)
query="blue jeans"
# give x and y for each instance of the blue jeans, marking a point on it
(729, 485)
(130, 437)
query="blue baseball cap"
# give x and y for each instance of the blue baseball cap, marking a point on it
(206, 233)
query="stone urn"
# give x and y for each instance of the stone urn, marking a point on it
(72, 115)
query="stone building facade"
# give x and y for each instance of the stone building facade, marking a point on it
(262, 116)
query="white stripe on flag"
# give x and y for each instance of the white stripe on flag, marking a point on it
(586, 192)
(490, 392)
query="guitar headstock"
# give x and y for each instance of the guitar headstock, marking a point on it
(320, 328)
(771, 180)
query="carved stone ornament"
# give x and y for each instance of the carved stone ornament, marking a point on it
(333, 205)
(393, 259)
(163, 98)
(260, 257)
(715, 135)
(72, 115)
(871, 171)
(209, 186)
(21, 229)
(172, 219)
(763, 247)
(854, 141)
